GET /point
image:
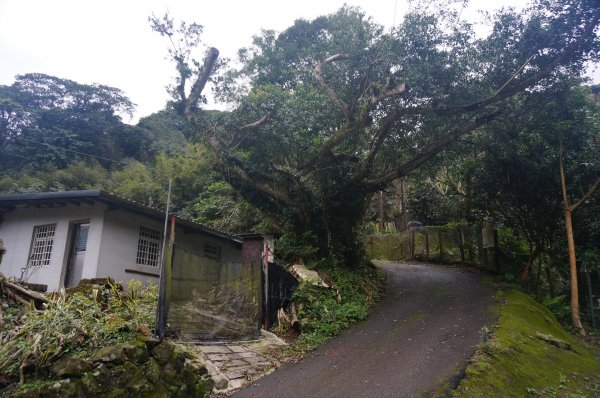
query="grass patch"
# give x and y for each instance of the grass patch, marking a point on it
(520, 358)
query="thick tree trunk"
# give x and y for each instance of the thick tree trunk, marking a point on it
(573, 271)
(571, 242)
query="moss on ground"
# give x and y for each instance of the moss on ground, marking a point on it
(522, 360)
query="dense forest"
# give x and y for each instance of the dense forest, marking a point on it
(329, 113)
(60, 135)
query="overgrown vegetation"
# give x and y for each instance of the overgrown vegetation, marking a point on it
(324, 312)
(530, 355)
(76, 323)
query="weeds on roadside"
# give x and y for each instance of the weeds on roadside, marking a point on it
(76, 323)
(323, 313)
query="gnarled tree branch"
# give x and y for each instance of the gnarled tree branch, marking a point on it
(259, 184)
(586, 196)
(427, 153)
(199, 84)
(505, 92)
(388, 91)
(248, 126)
(328, 91)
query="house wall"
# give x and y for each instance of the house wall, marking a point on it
(118, 248)
(16, 230)
(196, 241)
(119, 244)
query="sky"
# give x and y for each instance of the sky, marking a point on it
(110, 41)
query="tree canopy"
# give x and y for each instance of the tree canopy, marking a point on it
(46, 119)
(336, 108)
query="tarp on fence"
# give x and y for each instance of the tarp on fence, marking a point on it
(213, 300)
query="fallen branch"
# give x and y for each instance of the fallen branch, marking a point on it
(20, 293)
(554, 341)
(24, 291)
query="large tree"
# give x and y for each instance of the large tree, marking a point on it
(337, 108)
(49, 120)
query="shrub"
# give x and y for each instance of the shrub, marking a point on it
(323, 313)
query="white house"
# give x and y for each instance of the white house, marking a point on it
(59, 238)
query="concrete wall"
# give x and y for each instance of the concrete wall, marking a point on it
(196, 241)
(120, 241)
(16, 230)
(118, 249)
(111, 246)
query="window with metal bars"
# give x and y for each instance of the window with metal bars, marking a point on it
(41, 245)
(81, 236)
(148, 251)
(212, 251)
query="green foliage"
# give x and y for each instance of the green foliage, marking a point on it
(560, 307)
(220, 207)
(486, 334)
(385, 247)
(48, 120)
(323, 313)
(298, 245)
(78, 323)
(345, 107)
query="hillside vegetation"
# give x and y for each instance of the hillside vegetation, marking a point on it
(530, 354)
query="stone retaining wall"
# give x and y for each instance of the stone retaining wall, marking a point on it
(142, 369)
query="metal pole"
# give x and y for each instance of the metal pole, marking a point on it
(162, 306)
(164, 242)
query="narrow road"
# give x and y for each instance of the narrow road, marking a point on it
(419, 337)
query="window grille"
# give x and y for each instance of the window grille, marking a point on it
(81, 237)
(212, 252)
(148, 251)
(41, 245)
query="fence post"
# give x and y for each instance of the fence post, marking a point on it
(427, 243)
(482, 260)
(164, 293)
(461, 243)
(265, 267)
(441, 242)
(471, 246)
(496, 251)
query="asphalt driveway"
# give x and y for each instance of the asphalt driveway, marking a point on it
(419, 337)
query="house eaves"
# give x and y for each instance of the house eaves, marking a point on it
(60, 199)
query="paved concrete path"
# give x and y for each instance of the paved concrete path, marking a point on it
(233, 365)
(419, 337)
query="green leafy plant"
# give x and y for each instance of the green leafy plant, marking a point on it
(324, 312)
(559, 306)
(76, 323)
(486, 334)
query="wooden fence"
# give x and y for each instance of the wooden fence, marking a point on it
(461, 243)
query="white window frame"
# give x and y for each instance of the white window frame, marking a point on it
(148, 248)
(42, 242)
